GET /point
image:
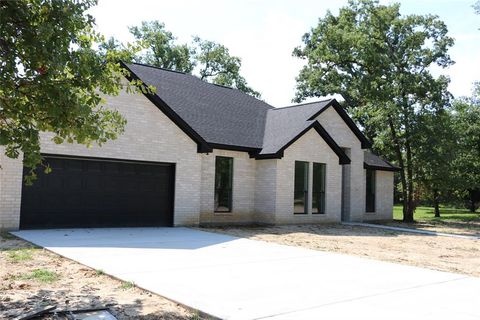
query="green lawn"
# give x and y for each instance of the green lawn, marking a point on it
(446, 215)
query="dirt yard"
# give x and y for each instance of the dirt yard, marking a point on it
(434, 252)
(31, 277)
(468, 228)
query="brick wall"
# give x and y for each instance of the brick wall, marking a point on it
(311, 148)
(266, 190)
(243, 189)
(149, 136)
(345, 138)
(383, 197)
(10, 191)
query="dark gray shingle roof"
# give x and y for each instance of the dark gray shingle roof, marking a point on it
(225, 116)
(218, 114)
(373, 161)
(284, 124)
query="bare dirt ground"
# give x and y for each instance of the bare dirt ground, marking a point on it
(31, 277)
(433, 252)
(469, 228)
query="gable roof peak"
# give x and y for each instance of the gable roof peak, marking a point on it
(306, 104)
(160, 68)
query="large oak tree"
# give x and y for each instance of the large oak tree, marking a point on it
(380, 62)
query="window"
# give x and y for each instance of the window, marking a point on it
(318, 192)
(301, 188)
(370, 194)
(223, 184)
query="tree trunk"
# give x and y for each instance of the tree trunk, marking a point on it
(436, 203)
(403, 180)
(471, 199)
(410, 203)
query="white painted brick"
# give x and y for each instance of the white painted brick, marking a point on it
(243, 190)
(383, 197)
(345, 138)
(149, 136)
(262, 189)
(311, 148)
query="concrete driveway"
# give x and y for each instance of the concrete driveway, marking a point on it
(234, 278)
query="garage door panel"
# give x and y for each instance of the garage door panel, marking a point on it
(99, 193)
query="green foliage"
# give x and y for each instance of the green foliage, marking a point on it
(449, 215)
(53, 79)
(40, 275)
(218, 66)
(19, 255)
(160, 47)
(99, 272)
(466, 127)
(436, 150)
(126, 285)
(212, 60)
(379, 61)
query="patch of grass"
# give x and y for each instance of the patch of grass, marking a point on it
(6, 235)
(99, 272)
(195, 316)
(40, 275)
(127, 285)
(20, 255)
(427, 214)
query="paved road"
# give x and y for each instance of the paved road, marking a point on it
(234, 278)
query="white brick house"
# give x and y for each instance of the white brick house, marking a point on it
(197, 153)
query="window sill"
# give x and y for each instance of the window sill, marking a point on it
(300, 213)
(318, 213)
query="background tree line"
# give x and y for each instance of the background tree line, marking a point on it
(380, 62)
(210, 61)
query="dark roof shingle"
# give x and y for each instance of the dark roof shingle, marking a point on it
(219, 114)
(373, 161)
(222, 116)
(284, 124)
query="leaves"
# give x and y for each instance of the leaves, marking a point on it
(218, 66)
(53, 79)
(466, 127)
(379, 61)
(212, 60)
(161, 49)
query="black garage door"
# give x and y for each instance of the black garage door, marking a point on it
(83, 192)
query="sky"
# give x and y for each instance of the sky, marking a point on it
(263, 33)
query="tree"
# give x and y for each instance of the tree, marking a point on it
(435, 154)
(466, 124)
(218, 66)
(52, 79)
(213, 60)
(379, 61)
(161, 49)
(117, 49)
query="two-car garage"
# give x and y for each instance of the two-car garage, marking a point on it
(93, 192)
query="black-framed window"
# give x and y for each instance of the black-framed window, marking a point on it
(318, 192)
(301, 188)
(370, 192)
(223, 184)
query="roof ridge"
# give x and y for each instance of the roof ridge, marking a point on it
(304, 104)
(164, 69)
(203, 81)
